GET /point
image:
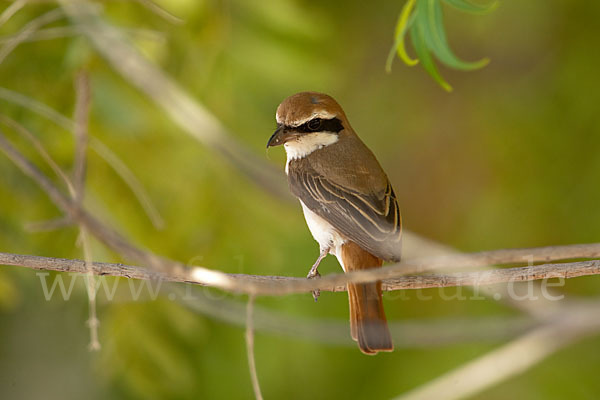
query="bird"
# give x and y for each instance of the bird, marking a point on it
(348, 202)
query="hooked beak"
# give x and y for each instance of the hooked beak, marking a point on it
(279, 137)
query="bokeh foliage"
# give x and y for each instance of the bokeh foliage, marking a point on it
(509, 159)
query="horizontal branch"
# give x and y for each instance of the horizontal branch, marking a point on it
(273, 285)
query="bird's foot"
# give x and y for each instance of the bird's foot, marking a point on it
(314, 271)
(312, 274)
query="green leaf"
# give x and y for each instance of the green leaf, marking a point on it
(398, 47)
(430, 15)
(405, 20)
(467, 6)
(419, 43)
(425, 20)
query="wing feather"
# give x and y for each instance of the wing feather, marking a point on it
(371, 220)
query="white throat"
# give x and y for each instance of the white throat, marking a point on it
(306, 144)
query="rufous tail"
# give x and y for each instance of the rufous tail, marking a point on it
(368, 325)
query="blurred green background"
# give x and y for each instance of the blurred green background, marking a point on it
(509, 159)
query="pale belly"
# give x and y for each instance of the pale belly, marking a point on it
(324, 233)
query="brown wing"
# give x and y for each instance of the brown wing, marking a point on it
(370, 220)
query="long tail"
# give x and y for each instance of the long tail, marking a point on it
(368, 325)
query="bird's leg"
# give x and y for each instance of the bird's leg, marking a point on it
(314, 271)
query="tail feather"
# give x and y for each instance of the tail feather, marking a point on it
(353, 312)
(368, 325)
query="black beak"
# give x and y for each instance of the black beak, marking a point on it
(277, 137)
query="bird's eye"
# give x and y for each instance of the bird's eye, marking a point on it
(314, 124)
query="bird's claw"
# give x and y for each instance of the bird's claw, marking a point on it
(312, 275)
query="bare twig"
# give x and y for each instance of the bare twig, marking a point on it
(80, 131)
(95, 144)
(277, 285)
(48, 225)
(37, 107)
(407, 333)
(56, 32)
(90, 283)
(28, 29)
(56, 222)
(37, 145)
(129, 178)
(59, 32)
(11, 10)
(250, 347)
(161, 12)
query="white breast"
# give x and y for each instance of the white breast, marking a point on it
(324, 233)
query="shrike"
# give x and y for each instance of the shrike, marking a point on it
(348, 202)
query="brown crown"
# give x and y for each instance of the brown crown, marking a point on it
(303, 106)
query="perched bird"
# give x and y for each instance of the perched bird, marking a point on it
(348, 202)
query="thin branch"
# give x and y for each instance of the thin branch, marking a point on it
(56, 222)
(80, 131)
(59, 32)
(93, 321)
(277, 285)
(98, 146)
(37, 107)
(48, 225)
(407, 334)
(56, 32)
(28, 29)
(37, 145)
(130, 180)
(161, 12)
(250, 347)
(11, 10)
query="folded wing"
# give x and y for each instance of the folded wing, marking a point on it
(370, 220)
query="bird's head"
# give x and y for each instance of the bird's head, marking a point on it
(308, 121)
